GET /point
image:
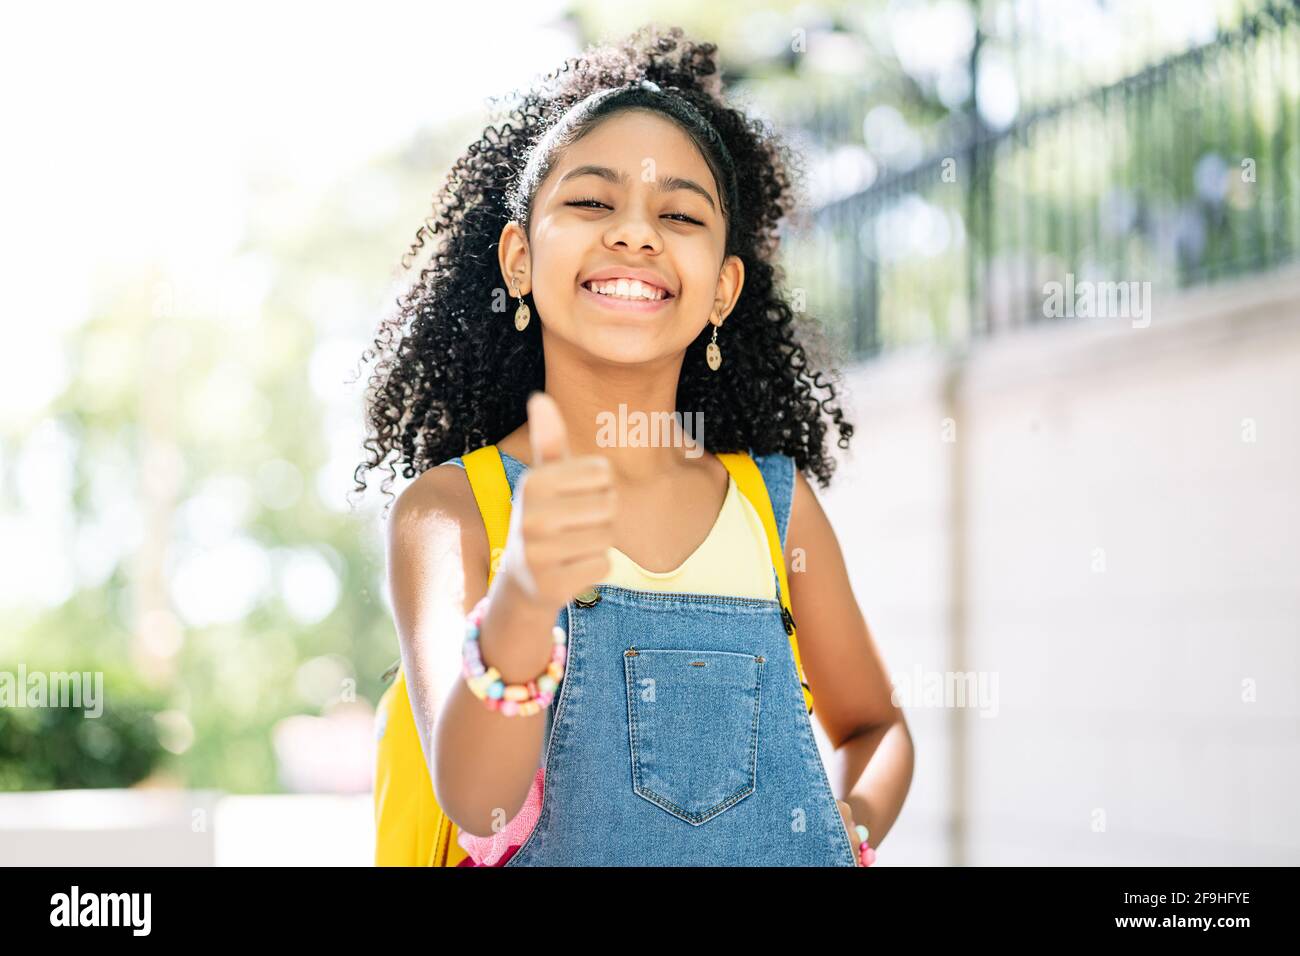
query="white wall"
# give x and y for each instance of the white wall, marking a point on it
(1121, 734)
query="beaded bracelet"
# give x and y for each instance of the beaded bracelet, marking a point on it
(866, 855)
(510, 699)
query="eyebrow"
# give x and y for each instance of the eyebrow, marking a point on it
(666, 184)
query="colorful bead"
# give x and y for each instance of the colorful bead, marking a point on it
(486, 684)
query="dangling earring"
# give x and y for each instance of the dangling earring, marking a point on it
(523, 313)
(713, 354)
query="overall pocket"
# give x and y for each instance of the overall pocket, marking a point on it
(693, 728)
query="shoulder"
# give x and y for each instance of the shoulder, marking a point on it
(436, 508)
(440, 490)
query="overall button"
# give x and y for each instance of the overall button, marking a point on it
(587, 598)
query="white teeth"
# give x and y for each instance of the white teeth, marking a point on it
(627, 289)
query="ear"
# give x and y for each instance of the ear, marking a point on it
(515, 259)
(731, 279)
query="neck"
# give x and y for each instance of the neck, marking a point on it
(626, 414)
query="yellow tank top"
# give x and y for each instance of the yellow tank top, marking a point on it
(734, 559)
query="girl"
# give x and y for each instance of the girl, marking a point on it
(629, 690)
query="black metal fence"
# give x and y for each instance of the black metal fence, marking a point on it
(1182, 173)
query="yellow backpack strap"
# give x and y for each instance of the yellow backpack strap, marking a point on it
(407, 815)
(750, 481)
(487, 477)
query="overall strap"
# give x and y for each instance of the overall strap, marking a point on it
(749, 480)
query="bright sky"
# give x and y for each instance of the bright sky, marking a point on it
(131, 129)
(128, 124)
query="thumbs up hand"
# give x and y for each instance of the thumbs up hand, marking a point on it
(562, 522)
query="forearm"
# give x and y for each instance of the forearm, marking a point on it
(872, 772)
(484, 761)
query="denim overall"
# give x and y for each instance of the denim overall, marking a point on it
(679, 735)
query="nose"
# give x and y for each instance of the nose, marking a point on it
(633, 230)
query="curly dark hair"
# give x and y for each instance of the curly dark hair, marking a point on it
(448, 379)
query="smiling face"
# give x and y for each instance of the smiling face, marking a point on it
(627, 253)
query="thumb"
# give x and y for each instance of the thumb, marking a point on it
(546, 432)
